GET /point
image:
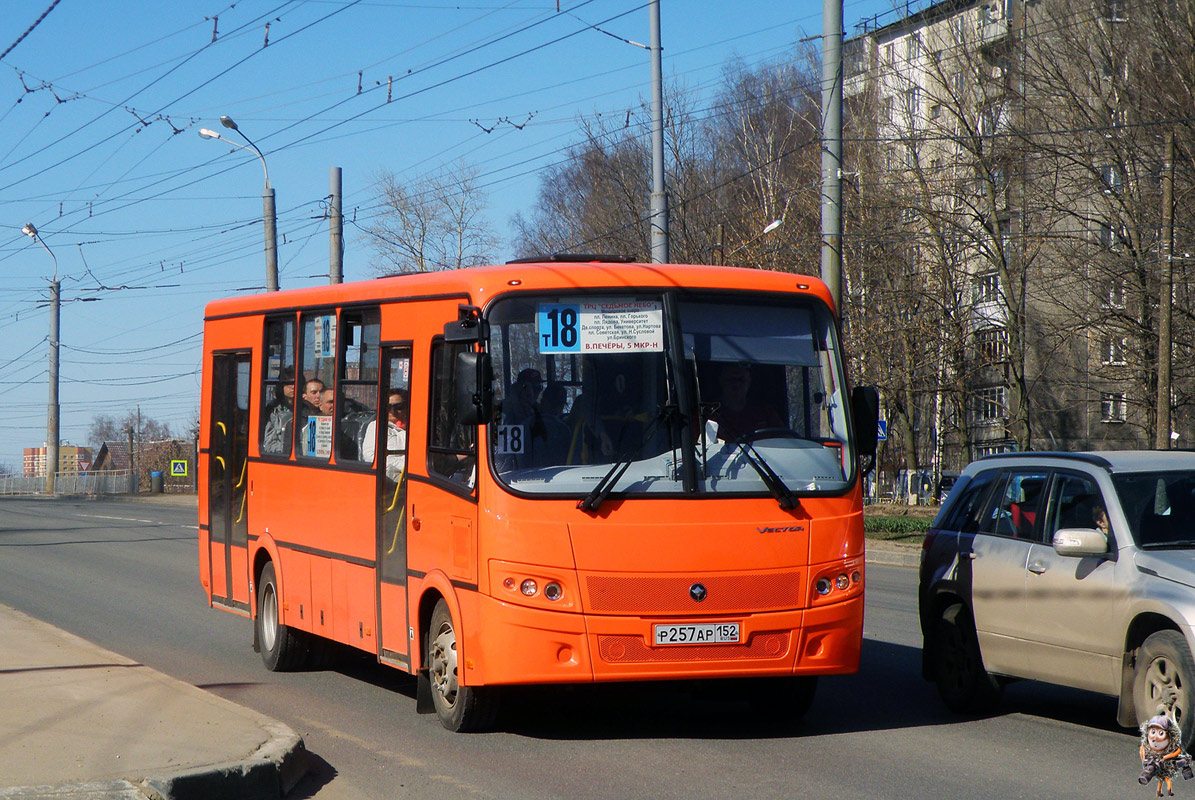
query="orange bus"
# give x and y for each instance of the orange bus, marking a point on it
(570, 470)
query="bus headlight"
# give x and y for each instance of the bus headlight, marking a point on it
(834, 583)
(534, 586)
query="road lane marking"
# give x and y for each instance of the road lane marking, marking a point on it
(143, 521)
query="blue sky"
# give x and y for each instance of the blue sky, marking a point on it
(100, 108)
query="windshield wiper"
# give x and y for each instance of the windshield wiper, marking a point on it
(784, 496)
(593, 501)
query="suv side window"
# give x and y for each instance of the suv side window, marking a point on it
(1017, 507)
(967, 511)
(1075, 502)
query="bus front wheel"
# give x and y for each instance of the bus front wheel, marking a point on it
(460, 708)
(282, 648)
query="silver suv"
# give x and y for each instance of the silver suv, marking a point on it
(1072, 568)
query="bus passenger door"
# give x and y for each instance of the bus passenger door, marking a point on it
(228, 451)
(390, 444)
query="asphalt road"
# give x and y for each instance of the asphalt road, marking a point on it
(124, 575)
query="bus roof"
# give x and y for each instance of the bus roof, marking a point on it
(479, 284)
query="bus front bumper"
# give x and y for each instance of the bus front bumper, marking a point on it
(527, 646)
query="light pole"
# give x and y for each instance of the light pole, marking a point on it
(52, 405)
(659, 194)
(268, 214)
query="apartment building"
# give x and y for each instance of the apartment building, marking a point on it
(1009, 178)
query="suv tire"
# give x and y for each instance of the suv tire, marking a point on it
(1165, 670)
(963, 683)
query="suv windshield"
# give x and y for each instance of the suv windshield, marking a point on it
(701, 393)
(1158, 506)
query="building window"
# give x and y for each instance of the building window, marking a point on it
(995, 448)
(1112, 406)
(1112, 179)
(993, 119)
(1114, 10)
(990, 405)
(912, 107)
(912, 48)
(991, 345)
(1113, 237)
(1114, 293)
(987, 288)
(1112, 350)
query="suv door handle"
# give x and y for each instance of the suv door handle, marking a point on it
(1037, 568)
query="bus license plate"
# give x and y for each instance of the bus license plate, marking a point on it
(697, 633)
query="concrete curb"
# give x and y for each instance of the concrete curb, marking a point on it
(267, 774)
(892, 554)
(98, 790)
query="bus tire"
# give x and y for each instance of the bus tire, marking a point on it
(461, 709)
(282, 648)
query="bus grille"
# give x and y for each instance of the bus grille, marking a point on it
(670, 595)
(632, 649)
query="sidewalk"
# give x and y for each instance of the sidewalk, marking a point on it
(78, 721)
(893, 554)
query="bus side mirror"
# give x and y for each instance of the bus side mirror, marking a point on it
(865, 405)
(472, 394)
(467, 327)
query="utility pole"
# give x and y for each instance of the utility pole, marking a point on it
(832, 150)
(336, 230)
(659, 196)
(52, 405)
(1165, 298)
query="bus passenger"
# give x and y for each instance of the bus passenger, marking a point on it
(522, 406)
(279, 414)
(396, 436)
(327, 402)
(311, 396)
(550, 434)
(738, 414)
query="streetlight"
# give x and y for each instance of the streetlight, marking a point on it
(52, 405)
(269, 215)
(723, 252)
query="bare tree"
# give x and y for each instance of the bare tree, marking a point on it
(432, 224)
(108, 428)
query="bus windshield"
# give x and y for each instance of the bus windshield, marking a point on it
(700, 393)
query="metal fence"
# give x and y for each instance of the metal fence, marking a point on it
(117, 482)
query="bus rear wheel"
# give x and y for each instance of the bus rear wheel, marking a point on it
(282, 648)
(460, 708)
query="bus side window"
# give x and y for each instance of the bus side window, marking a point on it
(357, 380)
(278, 387)
(452, 448)
(313, 428)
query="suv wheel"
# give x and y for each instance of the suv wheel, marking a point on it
(1164, 675)
(963, 683)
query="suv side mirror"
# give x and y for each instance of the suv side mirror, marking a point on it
(1080, 542)
(865, 408)
(472, 393)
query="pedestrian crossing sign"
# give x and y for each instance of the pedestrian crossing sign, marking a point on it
(178, 469)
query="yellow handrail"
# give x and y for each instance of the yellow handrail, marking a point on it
(393, 503)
